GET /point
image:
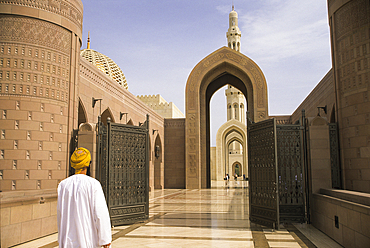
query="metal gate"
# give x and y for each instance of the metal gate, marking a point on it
(291, 173)
(123, 170)
(263, 177)
(276, 173)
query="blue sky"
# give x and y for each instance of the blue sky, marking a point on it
(158, 43)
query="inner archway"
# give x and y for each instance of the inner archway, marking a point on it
(224, 66)
(230, 132)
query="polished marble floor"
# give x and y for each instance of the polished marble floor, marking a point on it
(216, 217)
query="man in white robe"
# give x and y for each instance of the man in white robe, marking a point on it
(83, 216)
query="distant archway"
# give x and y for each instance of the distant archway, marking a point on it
(237, 168)
(230, 131)
(224, 66)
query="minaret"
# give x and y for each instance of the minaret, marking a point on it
(235, 104)
(233, 33)
(235, 99)
(88, 40)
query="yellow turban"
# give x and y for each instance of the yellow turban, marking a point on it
(80, 159)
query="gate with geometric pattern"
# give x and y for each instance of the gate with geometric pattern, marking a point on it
(123, 170)
(291, 173)
(263, 174)
(276, 173)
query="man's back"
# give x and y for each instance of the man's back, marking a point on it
(83, 218)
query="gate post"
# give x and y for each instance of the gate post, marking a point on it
(319, 156)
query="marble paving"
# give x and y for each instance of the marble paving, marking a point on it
(216, 217)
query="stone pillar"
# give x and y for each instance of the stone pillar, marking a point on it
(319, 156)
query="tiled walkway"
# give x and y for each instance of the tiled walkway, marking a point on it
(216, 217)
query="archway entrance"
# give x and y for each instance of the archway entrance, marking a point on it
(231, 132)
(224, 66)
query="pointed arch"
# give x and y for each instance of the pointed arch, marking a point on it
(158, 151)
(237, 168)
(107, 113)
(222, 67)
(82, 115)
(130, 122)
(232, 130)
(332, 115)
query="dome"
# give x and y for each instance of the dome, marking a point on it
(106, 65)
(233, 13)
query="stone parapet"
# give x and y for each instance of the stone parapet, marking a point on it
(26, 215)
(339, 214)
(161, 106)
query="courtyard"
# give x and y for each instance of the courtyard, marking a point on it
(215, 217)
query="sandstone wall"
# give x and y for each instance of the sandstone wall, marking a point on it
(350, 32)
(174, 156)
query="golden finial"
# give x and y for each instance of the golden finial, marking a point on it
(88, 40)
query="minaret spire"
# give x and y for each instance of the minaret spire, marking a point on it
(88, 40)
(233, 33)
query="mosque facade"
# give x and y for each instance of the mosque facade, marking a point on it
(47, 84)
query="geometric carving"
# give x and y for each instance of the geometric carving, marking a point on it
(192, 172)
(351, 16)
(40, 47)
(123, 168)
(32, 31)
(263, 173)
(291, 173)
(63, 8)
(349, 39)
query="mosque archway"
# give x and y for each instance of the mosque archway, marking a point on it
(224, 66)
(231, 159)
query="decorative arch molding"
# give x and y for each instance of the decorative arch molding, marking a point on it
(229, 132)
(158, 143)
(107, 113)
(234, 137)
(224, 66)
(82, 114)
(130, 122)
